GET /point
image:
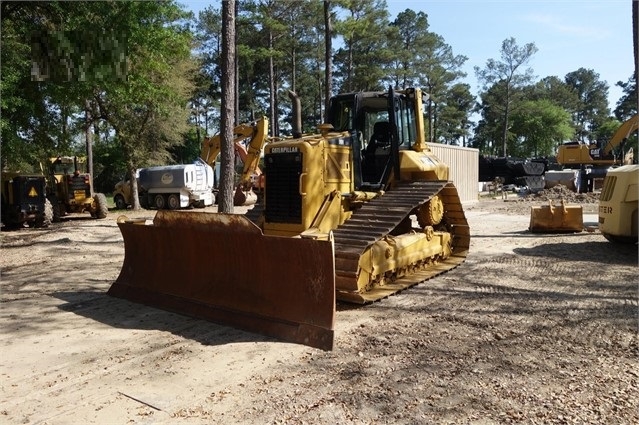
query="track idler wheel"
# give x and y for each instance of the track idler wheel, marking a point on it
(431, 213)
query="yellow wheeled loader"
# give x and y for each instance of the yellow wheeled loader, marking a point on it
(355, 213)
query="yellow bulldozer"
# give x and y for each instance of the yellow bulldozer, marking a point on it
(359, 211)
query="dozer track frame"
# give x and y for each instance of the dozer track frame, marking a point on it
(380, 217)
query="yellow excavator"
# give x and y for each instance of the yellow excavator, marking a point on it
(251, 177)
(357, 212)
(582, 164)
(575, 154)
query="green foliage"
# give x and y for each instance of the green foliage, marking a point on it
(172, 85)
(453, 124)
(110, 166)
(191, 149)
(627, 105)
(360, 64)
(592, 105)
(133, 67)
(555, 90)
(510, 75)
(540, 126)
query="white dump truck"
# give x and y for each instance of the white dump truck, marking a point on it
(170, 187)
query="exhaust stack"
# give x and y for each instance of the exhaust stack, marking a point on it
(297, 114)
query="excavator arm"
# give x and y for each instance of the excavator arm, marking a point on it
(257, 133)
(622, 134)
(250, 155)
(573, 154)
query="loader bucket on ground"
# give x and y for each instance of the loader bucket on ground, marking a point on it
(220, 267)
(556, 218)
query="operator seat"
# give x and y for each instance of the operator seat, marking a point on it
(373, 159)
(380, 137)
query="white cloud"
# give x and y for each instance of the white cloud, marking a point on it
(553, 23)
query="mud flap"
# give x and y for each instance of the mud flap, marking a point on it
(220, 267)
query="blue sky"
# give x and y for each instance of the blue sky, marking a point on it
(569, 34)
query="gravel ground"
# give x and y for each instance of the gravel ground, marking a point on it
(531, 329)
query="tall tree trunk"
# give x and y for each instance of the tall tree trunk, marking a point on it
(89, 142)
(429, 113)
(349, 67)
(328, 57)
(435, 123)
(237, 74)
(635, 41)
(276, 102)
(227, 151)
(271, 74)
(506, 115)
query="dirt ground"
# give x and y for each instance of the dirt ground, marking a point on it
(531, 329)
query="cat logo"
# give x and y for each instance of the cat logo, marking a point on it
(33, 193)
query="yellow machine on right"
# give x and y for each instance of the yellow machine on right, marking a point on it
(618, 205)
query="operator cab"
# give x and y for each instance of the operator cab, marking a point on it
(381, 124)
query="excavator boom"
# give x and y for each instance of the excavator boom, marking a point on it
(622, 134)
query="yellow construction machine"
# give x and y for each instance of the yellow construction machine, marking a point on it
(251, 178)
(576, 154)
(70, 190)
(584, 164)
(618, 205)
(355, 213)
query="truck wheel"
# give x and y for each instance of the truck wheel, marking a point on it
(119, 202)
(57, 209)
(159, 202)
(173, 201)
(144, 201)
(101, 206)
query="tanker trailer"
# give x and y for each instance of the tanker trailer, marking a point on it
(176, 186)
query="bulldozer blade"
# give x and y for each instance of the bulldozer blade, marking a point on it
(222, 268)
(556, 219)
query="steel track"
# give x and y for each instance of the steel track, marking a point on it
(377, 219)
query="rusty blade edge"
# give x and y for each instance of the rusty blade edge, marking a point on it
(299, 333)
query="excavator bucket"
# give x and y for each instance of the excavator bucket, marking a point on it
(556, 218)
(222, 268)
(243, 197)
